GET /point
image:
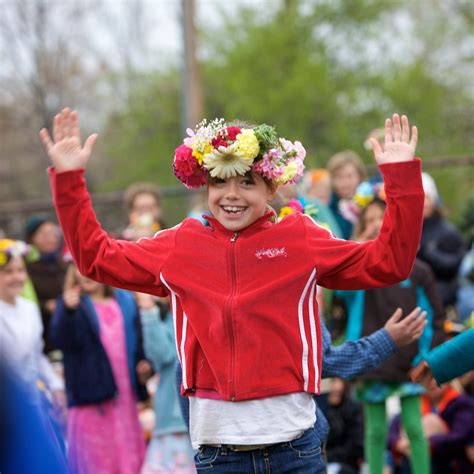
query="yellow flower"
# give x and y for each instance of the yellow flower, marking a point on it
(362, 200)
(202, 150)
(246, 143)
(289, 173)
(285, 211)
(3, 258)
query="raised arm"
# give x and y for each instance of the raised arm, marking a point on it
(388, 259)
(133, 266)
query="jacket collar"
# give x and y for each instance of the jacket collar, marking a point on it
(262, 223)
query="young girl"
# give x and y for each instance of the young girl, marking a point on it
(21, 329)
(97, 329)
(367, 310)
(347, 172)
(242, 289)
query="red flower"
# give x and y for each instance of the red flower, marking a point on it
(223, 138)
(232, 132)
(187, 169)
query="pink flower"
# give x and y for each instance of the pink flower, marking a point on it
(187, 169)
(295, 204)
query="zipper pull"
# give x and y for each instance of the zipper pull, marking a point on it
(234, 237)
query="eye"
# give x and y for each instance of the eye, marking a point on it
(217, 181)
(247, 181)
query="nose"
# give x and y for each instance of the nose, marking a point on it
(232, 189)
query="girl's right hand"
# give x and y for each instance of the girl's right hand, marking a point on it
(65, 151)
(72, 297)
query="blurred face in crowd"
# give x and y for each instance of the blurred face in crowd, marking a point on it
(88, 286)
(429, 207)
(321, 190)
(336, 392)
(373, 219)
(47, 238)
(345, 181)
(145, 204)
(239, 201)
(13, 277)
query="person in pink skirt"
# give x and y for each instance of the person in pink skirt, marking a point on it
(97, 328)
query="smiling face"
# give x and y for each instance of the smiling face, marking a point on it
(239, 201)
(12, 279)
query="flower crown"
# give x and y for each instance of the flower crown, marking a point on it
(16, 248)
(224, 151)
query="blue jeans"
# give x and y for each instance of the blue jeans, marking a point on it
(300, 456)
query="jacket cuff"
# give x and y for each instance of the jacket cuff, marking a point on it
(385, 343)
(402, 178)
(64, 185)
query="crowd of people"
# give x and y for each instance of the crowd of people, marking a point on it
(140, 353)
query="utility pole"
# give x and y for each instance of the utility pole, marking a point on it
(192, 94)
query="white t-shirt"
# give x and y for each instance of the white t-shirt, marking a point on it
(21, 343)
(263, 421)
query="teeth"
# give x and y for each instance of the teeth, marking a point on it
(233, 208)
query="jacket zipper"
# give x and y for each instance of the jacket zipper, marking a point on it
(229, 316)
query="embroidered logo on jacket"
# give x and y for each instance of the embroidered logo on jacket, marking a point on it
(271, 253)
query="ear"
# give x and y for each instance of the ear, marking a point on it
(271, 191)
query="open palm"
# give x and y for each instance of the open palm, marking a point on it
(399, 145)
(65, 150)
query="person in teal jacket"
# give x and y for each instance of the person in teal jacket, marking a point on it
(447, 361)
(170, 448)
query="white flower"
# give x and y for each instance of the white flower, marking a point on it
(227, 162)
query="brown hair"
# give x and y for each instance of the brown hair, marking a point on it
(70, 281)
(343, 158)
(360, 226)
(136, 189)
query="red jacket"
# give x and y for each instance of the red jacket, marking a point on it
(246, 321)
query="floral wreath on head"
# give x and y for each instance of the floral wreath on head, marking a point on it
(366, 192)
(224, 151)
(16, 248)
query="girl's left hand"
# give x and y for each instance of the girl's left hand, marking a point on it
(398, 145)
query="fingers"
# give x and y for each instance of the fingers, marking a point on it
(89, 145)
(46, 139)
(376, 147)
(58, 128)
(397, 130)
(414, 314)
(405, 129)
(388, 131)
(414, 136)
(396, 316)
(74, 124)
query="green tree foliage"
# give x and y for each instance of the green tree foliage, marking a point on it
(323, 72)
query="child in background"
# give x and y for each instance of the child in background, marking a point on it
(244, 416)
(143, 205)
(21, 329)
(442, 246)
(98, 330)
(347, 172)
(169, 451)
(367, 310)
(47, 272)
